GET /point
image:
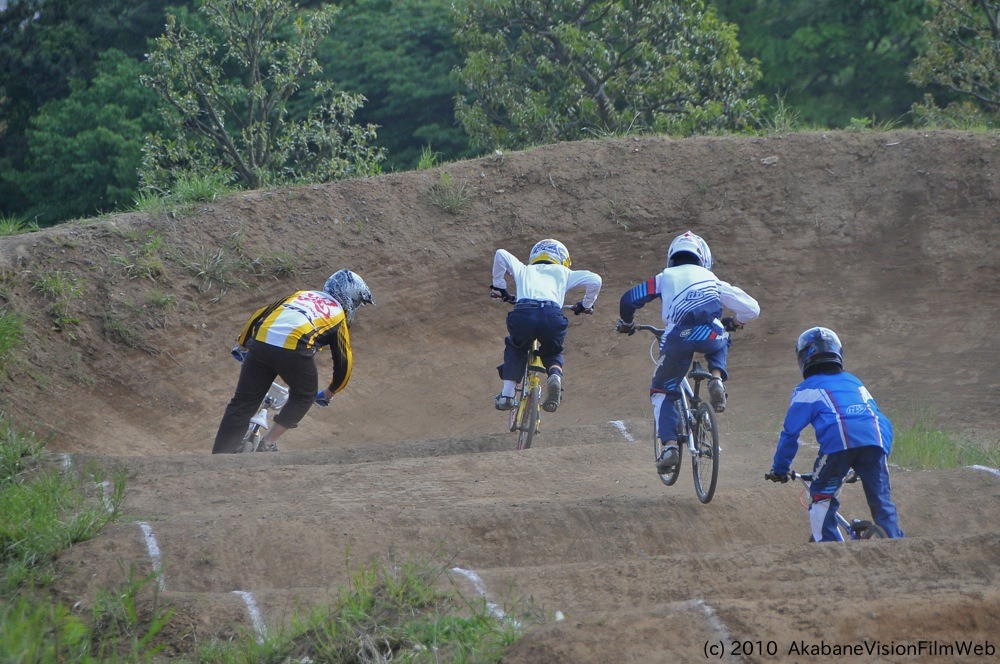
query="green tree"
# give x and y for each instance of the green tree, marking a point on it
(399, 54)
(84, 151)
(547, 70)
(229, 87)
(45, 44)
(830, 60)
(962, 57)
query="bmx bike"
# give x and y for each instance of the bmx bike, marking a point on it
(850, 529)
(526, 417)
(698, 429)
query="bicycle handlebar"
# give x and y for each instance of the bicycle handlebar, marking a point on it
(851, 478)
(513, 301)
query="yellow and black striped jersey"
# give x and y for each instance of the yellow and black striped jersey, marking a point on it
(302, 321)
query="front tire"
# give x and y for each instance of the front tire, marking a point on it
(705, 462)
(251, 441)
(669, 478)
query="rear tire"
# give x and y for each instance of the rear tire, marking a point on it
(528, 416)
(705, 462)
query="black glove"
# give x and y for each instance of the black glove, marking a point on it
(777, 477)
(621, 327)
(578, 309)
(730, 325)
(501, 294)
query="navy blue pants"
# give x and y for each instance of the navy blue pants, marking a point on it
(677, 349)
(871, 464)
(529, 321)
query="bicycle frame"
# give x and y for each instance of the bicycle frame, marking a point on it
(276, 397)
(526, 417)
(854, 529)
(698, 430)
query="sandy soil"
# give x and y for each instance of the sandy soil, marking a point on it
(891, 239)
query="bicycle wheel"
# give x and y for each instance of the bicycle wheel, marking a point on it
(528, 416)
(867, 530)
(671, 477)
(705, 460)
(251, 441)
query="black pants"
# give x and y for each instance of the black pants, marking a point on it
(262, 365)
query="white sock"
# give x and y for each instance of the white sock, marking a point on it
(508, 388)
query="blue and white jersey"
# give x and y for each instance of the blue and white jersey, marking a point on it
(842, 412)
(691, 296)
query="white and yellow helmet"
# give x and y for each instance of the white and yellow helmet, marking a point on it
(550, 251)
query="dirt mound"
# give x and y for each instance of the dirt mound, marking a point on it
(891, 239)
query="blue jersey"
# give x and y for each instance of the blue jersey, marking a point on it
(842, 412)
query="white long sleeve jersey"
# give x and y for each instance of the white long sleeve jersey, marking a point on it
(544, 281)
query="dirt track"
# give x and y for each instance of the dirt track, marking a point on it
(891, 239)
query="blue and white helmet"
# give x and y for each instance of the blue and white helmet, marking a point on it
(818, 345)
(690, 243)
(350, 291)
(549, 251)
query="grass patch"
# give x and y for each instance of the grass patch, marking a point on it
(399, 612)
(142, 258)
(60, 288)
(925, 446)
(11, 337)
(450, 195)
(11, 225)
(120, 331)
(428, 158)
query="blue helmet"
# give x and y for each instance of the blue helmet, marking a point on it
(350, 291)
(818, 345)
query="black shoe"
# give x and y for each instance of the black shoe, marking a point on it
(668, 459)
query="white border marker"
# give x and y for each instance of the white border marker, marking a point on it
(258, 622)
(154, 554)
(618, 424)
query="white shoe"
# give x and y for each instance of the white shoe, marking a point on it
(717, 391)
(553, 394)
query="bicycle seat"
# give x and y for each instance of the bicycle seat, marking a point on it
(699, 373)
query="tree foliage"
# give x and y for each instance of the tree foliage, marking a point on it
(547, 70)
(229, 86)
(46, 44)
(962, 57)
(84, 150)
(399, 54)
(832, 61)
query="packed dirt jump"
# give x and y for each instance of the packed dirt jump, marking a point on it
(891, 239)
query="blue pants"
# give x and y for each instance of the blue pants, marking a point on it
(677, 349)
(871, 464)
(528, 321)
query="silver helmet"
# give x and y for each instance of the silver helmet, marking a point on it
(350, 291)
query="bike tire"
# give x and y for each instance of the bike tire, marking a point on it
(251, 441)
(705, 460)
(868, 530)
(529, 414)
(670, 478)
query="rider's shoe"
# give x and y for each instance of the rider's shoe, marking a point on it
(504, 403)
(668, 459)
(553, 394)
(717, 391)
